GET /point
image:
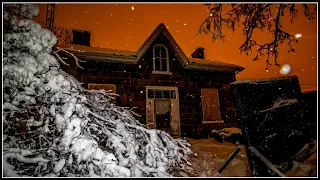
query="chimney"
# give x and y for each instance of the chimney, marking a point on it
(81, 37)
(198, 53)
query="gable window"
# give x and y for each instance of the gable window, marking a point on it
(160, 59)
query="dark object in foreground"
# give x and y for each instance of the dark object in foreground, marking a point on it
(273, 119)
(216, 135)
(231, 157)
(265, 161)
(306, 152)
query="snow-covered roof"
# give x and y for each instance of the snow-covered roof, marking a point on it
(263, 80)
(104, 54)
(123, 56)
(210, 62)
(98, 50)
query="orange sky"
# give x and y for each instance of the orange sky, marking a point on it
(126, 26)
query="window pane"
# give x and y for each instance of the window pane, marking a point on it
(150, 93)
(164, 64)
(173, 94)
(163, 52)
(157, 51)
(166, 94)
(157, 64)
(158, 94)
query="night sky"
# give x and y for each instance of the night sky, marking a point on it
(126, 27)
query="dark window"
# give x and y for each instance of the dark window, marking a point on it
(160, 58)
(163, 52)
(150, 93)
(159, 94)
(157, 51)
(157, 64)
(164, 64)
(81, 37)
(173, 94)
(166, 94)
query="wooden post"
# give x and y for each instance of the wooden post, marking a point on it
(265, 161)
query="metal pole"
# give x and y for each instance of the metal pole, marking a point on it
(50, 16)
(233, 155)
(227, 162)
(265, 161)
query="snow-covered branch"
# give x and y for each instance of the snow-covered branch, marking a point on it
(54, 127)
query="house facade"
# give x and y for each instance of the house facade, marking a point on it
(181, 95)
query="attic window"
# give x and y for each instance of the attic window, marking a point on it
(160, 58)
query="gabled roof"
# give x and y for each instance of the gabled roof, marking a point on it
(162, 28)
(113, 55)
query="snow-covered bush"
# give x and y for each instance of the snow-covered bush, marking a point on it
(54, 127)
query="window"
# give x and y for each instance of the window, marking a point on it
(161, 94)
(160, 58)
(108, 87)
(210, 105)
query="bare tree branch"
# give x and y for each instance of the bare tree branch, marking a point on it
(255, 17)
(63, 34)
(66, 51)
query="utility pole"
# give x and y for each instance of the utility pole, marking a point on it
(50, 16)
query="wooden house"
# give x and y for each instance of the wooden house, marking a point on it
(182, 95)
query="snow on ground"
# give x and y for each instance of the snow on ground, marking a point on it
(306, 169)
(233, 130)
(211, 156)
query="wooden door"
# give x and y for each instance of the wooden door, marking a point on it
(162, 111)
(169, 94)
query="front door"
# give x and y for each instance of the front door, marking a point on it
(162, 109)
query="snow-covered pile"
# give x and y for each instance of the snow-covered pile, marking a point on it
(232, 134)
(54, 127)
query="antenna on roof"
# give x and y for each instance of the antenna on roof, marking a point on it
(50, 16)
(198, 53)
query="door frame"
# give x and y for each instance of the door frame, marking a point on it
(177, 101)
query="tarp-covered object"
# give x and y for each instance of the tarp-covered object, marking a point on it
(271, 116)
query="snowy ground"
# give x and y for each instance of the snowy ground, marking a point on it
(212, 154)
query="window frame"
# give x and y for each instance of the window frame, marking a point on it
(167, 71)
